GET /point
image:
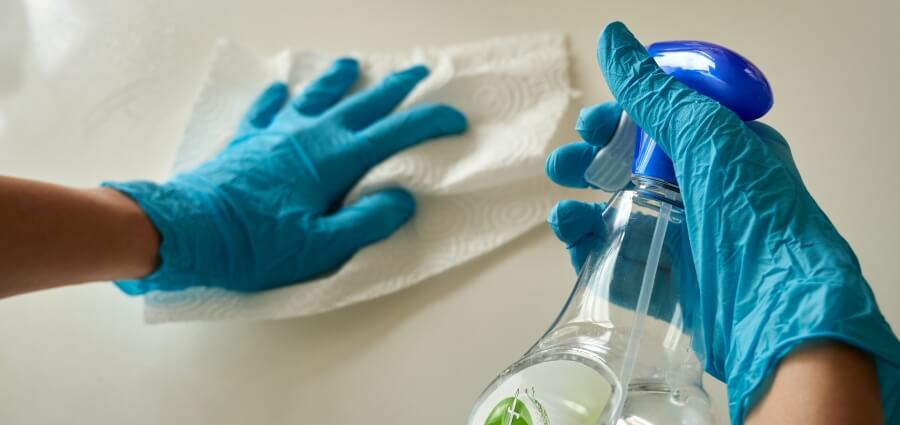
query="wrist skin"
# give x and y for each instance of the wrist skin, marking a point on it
(56, 236)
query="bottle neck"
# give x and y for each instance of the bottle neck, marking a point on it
(601, 310)
(657, 189)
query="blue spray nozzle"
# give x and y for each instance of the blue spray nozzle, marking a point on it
(712, 70)
(716, 72)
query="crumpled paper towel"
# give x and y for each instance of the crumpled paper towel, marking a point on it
(474, 192)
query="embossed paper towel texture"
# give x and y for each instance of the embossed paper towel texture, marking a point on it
(474, 192)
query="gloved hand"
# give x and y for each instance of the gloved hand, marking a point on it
(266, 211)
(772, 270)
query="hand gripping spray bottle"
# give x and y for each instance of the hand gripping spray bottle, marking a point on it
(623, 349)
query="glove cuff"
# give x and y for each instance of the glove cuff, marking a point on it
(751, 364)
(188, 228)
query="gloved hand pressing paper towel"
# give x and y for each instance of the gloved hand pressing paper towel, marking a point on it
(473, 194)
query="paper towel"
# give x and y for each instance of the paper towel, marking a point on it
(474, 192)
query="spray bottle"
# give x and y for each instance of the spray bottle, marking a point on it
(625, 347)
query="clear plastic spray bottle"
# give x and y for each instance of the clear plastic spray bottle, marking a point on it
(625, 348)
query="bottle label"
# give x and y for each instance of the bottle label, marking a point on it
(559, 392)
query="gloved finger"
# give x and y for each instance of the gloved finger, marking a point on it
(596, 124)
(328, 88)
(566, 164)
(370, 219)
(572, 220)
(407, 128)
(676, 116)
(368, 106)
(264, 108)
(579, 225)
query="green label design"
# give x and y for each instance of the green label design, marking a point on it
(514, 411)
(510, 411)
(557, 392)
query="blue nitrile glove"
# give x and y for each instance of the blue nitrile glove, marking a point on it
(773, 271)
(266, 211)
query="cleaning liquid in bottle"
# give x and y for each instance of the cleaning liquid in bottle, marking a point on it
(625, 348)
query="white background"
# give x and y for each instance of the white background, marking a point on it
(93, 90)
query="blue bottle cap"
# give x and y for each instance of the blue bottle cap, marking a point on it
(713, 71)
(650, 160)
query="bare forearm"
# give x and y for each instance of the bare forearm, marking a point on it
(53, 235)
(825, 384)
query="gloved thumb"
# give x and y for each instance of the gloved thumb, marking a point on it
(370, 219)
